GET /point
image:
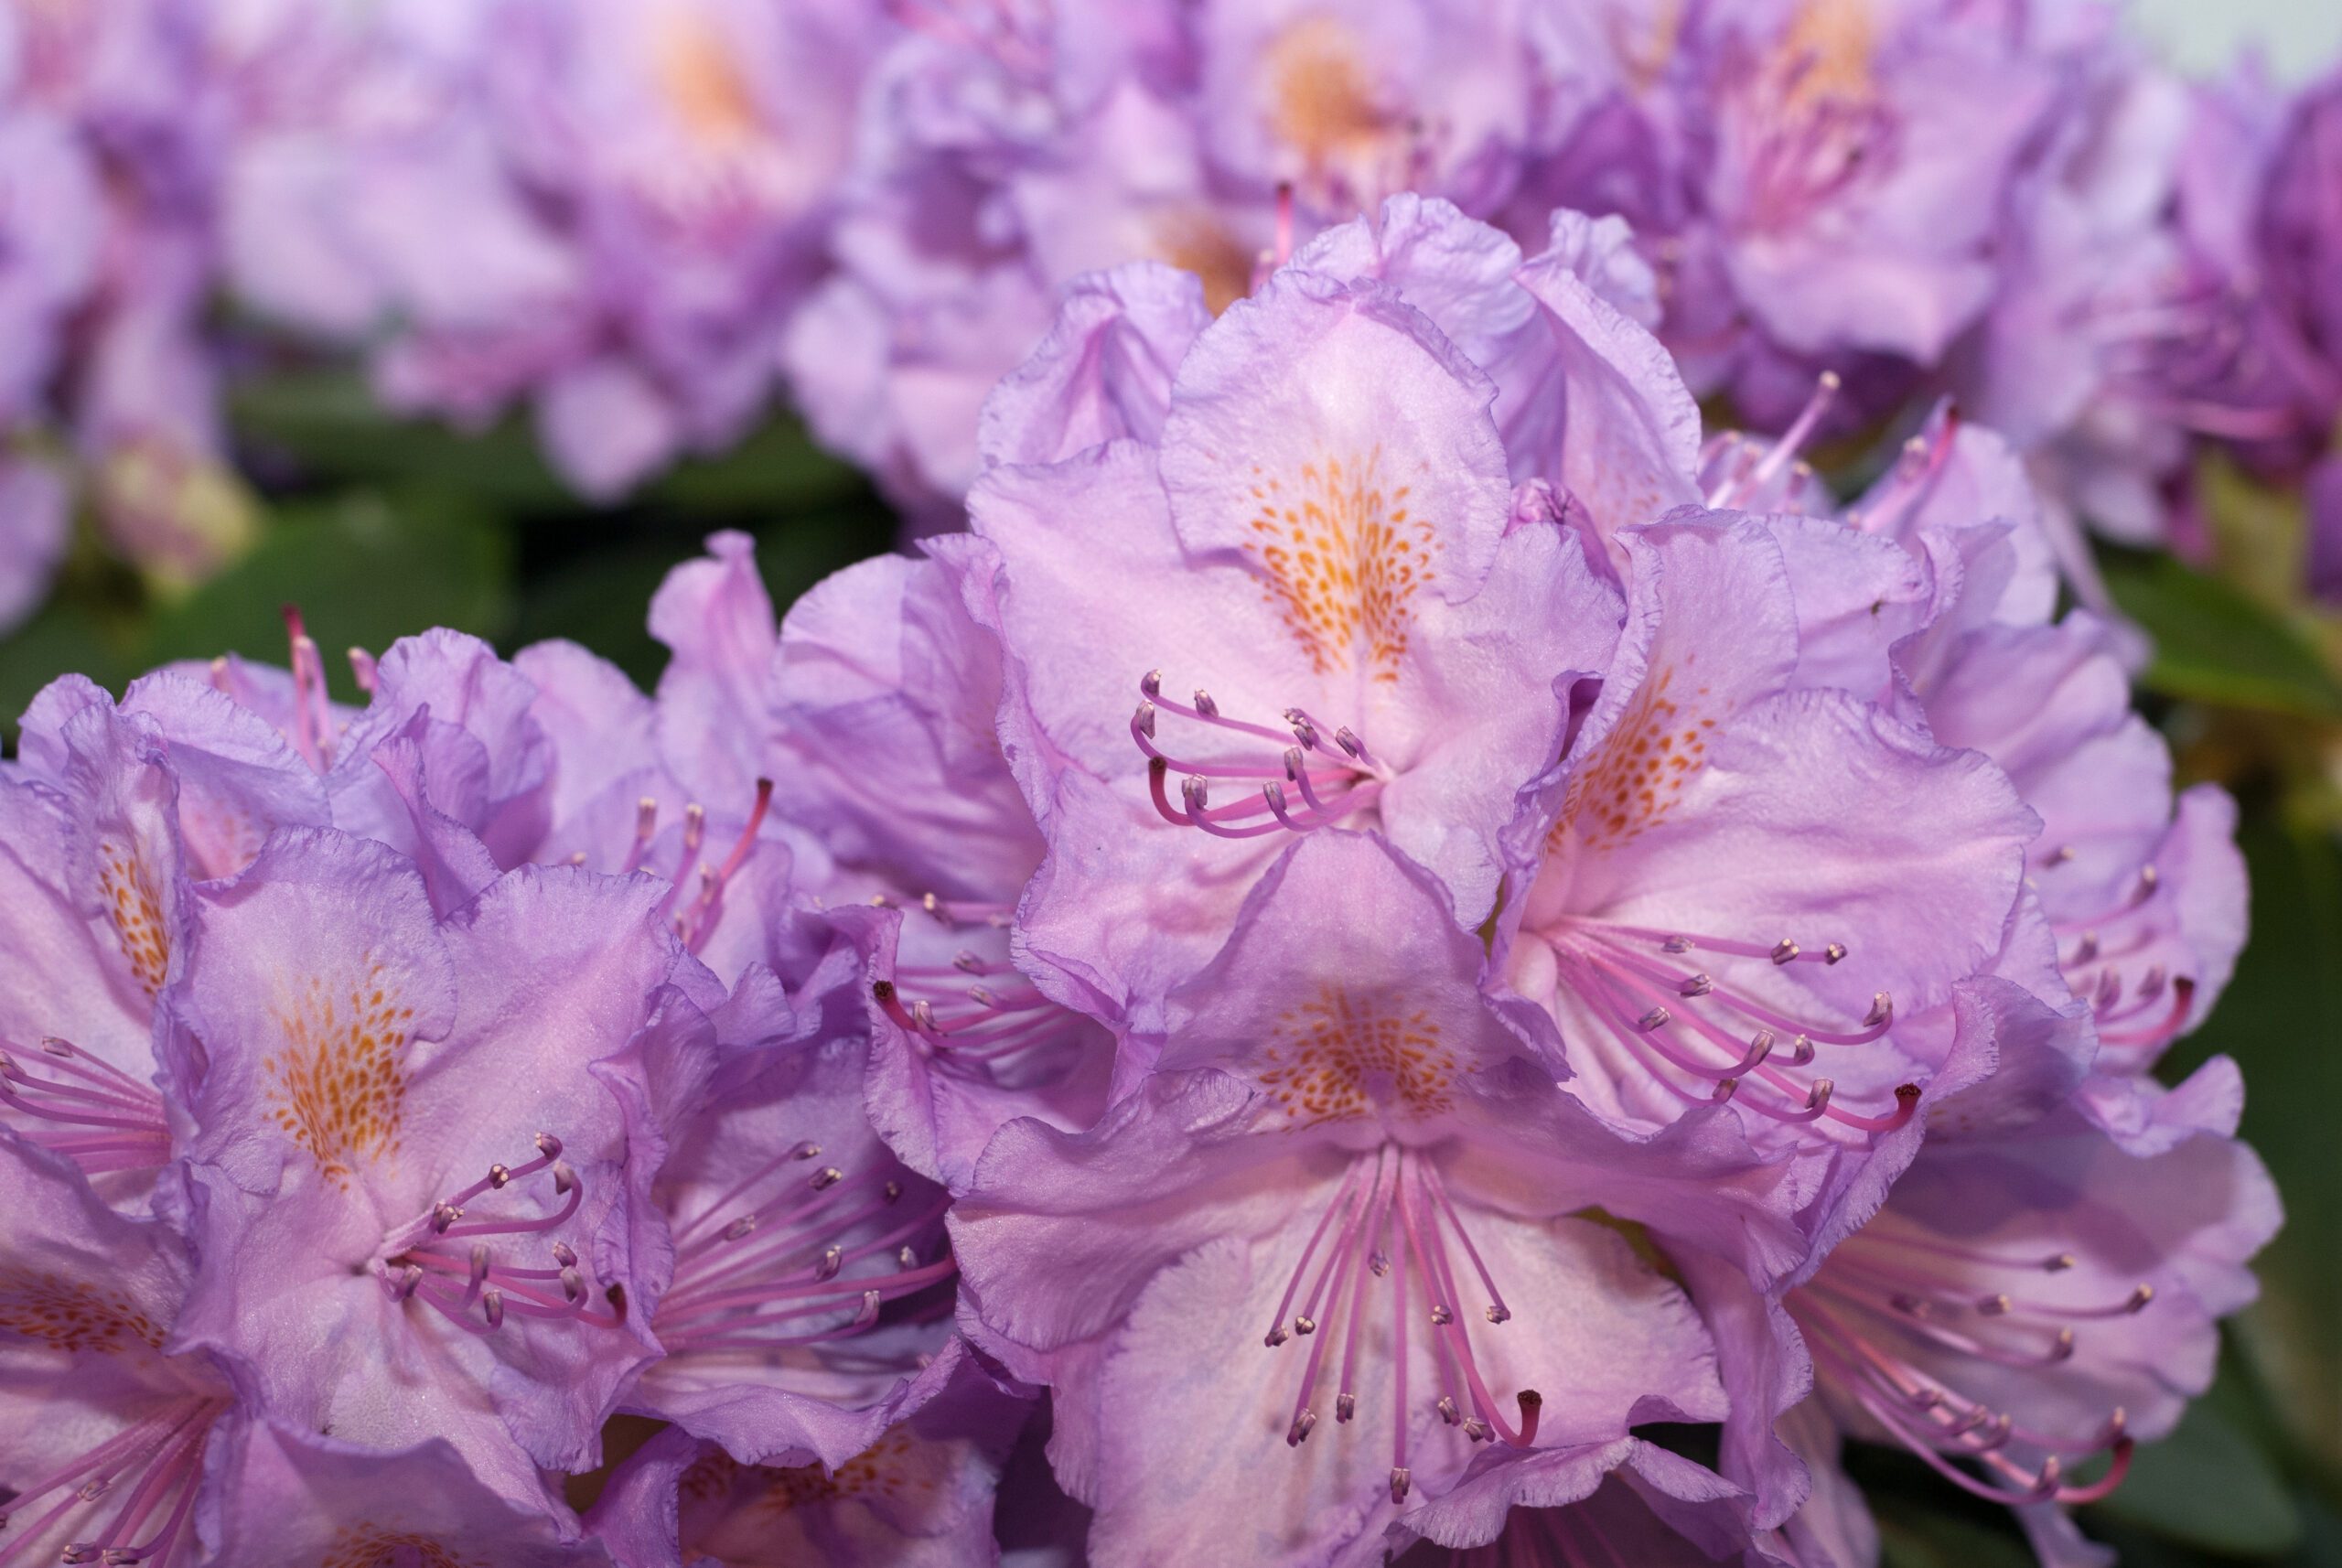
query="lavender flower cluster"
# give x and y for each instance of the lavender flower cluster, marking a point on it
(1390, 928)
(643, 218)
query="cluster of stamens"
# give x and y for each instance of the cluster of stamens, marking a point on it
(1895, 1291)
(788, 1258)
(94, 1114)
(2134, 1014)
(164, 1451)
(1317, 776)
(1683, 1024)
(693, 920)
(446, 1260)
(1809, 143)
(1392, 1220)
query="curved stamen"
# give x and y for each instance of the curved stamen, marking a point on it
(443, 1244)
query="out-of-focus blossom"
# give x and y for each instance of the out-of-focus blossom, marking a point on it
(2141, 313)
(608, 211)
(1625, 1501)
(1024, 147)
(35, 523)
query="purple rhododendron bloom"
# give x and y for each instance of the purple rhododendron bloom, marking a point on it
(1344, 621)
(918, 1495)
(1022, 150)
(639, 195)
(1678, 955)
(2026, 1303)
(1347, 1140)
(106, 1446)
(386, 1197)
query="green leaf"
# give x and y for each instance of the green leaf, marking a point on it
(2206, 1484)
(365, 569)
(2280, 1018)
(325, 425)
(1913, 1534)
(2216, 644)
(65, 638)
(777, 466)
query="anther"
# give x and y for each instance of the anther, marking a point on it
(443, 1215)
(1696, 985)
(548, 1145)
(91, 1490)
(491, 1304)
(905, 1258)
(1801, 1051)
(1205, 705)
(1381, 1263)
(1152, 682)
(1676, 945)
(1348, 741)
(2139, 1299)
(1476, 1429)
(1882, 1011)
(1994, 1306)
(1653, 1019)
(1784, 950)
(563, 1178)
(1399, 1480)
(833, 1259)
(1304, 1424)
(868, 1313)
(891, 1192)
(572, 1283)
(1498, 1315)
(1344, 1406)
(1834, 952)
(1725, 1090)
(1145, 719)
(497, 1175)
(2059, 1263)
(808, 1150)
(1304, 1325)
(564, 1255)
(1447, 1410)
(825, 1178)
(739, 1227)
(409, 1278)
(1440, 1314)
(1275, 1336)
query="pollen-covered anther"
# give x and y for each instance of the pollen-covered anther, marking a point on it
(1344, 1406)
(1400, 1479)
(1695, 985)
(1785, 950)
(1303, 1426)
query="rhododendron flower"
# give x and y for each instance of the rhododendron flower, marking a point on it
(1734, 877)
(1348, 1144)
(103, 1454)
(2026, 1302)
(1618, 1502)
(807, 1305)
(1021, 151)
(642, 193)
(1343, 621)
(408, 1167)
(919, 1494)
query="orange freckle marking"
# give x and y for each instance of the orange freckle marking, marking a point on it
(1345, 590)
(72, 1316)
(1632, 783)
(369, 1545)
(1342, 1055)
(134, 904)
(337, 1088)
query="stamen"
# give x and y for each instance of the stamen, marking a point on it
(90, 1111)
